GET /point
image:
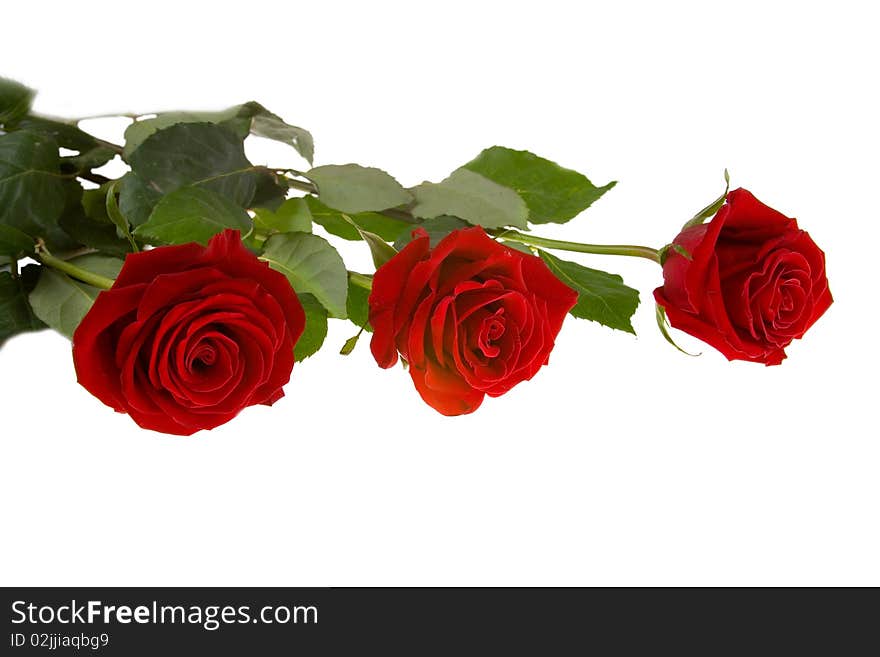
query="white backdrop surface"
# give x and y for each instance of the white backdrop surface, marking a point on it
(623, 462)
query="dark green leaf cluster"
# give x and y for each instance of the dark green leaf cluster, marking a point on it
(189, 178)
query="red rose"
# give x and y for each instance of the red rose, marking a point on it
(188, 336)
(471, 316)
(754, 282)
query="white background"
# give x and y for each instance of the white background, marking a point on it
(623, 462)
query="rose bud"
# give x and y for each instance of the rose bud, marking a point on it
(472, 317)
(748, 282)
(189, 336)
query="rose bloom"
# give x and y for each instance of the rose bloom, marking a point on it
(472, 317)
(754, 283)
(188, 336)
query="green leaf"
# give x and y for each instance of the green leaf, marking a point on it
(139, 131)
(472, 197)
(93, 234)
(136, 198)
(350, 344)
(602, 297)
(380, 250)
(334, 223)
(662, 324)
(663, 253)
(312, 266)
(192, 214)
(87, 160)
(316, 328)
(711, 209)
(271, 126)
(62, 302)
(123, 229)
(196, 154)
(93, 230)
(66, 135)
(553, 194)
(94, 202)
(437, 228)
(31, 191)
(680, 250)
(352, 188)
(15, 243)
(16, 315)
(359, 306)
(93, 152)
(270, 193)
(15, 101)
(242, 119)
(291, 216)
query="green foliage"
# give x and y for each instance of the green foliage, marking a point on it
(312, 266)
(335, 223)
(380, 250)
(85, 220)
(291, 216)
(192, 214)
(472, 197)
(94, 234)
(87, 160)
(62, 302)
(242, 119)
(14, 243)
(351, 188)
(66, 135)
(359, 306)
(663, 253)
(196, 154)
(92, 152)
(142, 129)
(711, 209)
(15, 101)
(136, 198)
(190, 179)
(553, 194)
(114, 214)
(16, 314)
(271, 126)
(602, 297)
(663, 325)
(32, 196)
(350, 344)
(316, 327)
(270, 192)
(94, 202)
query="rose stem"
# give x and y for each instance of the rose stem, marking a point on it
(598, 249)
(361, 280)
(73, 271)
(514, 236)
